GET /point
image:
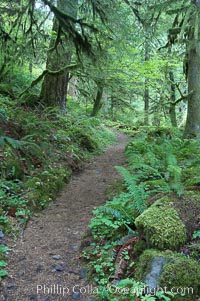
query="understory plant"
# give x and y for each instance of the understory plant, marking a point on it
(38, 153)
(160, 163)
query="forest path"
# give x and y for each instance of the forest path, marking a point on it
(45, 260)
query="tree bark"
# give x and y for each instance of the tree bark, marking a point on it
(97, 102)
(54, 87)
(172, 109)
(192, 129)
(146, 87)
(146, 103)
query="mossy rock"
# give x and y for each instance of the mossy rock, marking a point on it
(144, 263)
(182, 273)
(178, 272)
(187, 206)
(162, 227)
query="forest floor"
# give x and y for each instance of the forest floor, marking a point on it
(44, 263)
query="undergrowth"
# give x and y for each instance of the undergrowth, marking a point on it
(38, 153)
(160, 162)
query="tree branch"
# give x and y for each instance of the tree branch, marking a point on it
(50, 72)
(135, 11)
(181, 98)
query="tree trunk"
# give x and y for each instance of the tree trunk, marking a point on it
(97, 102)
(54, 87)
(192, 129)
(54, 90)
(146, 103)
(172, 109)
(146, 87)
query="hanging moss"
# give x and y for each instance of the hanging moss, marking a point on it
(162, 227)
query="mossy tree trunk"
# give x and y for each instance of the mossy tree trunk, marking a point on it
(146, 86)
(54, 87)
(97, 102)
(192, 129)
(172, 109)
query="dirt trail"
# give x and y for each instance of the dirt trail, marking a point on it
(45, 261)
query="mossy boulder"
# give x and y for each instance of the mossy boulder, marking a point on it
(178, 273)
(187, 206)
(184, 274)
(162, 227)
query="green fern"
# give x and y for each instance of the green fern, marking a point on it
(26, 145)
(113, 212)
(125, 238)
(13, 143)
(136, 191)
(3, 115)
(119, 212)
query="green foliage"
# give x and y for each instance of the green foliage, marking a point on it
(196, 234)
(12, 203)
(136, 192)
(158, 161)
(38, 154)
(3, 116)
(3, 264)
(44, 187)
(163, 161)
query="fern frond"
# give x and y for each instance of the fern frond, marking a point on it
(3, 116)
(15, 144)
(136, 192)
(111, 211)
(123, 240)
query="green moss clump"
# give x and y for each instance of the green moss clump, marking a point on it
(186, 206)
(162, 227)
(179, 273)
(182, 273)
(44, 188)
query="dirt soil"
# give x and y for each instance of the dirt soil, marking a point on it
(44, 262)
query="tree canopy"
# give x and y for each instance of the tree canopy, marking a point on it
(127, 55)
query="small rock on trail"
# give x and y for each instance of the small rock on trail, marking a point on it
(58, 231)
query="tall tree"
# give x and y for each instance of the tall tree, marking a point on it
(186, 29)
(192, 129)
(147, 19)
(54, 87)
